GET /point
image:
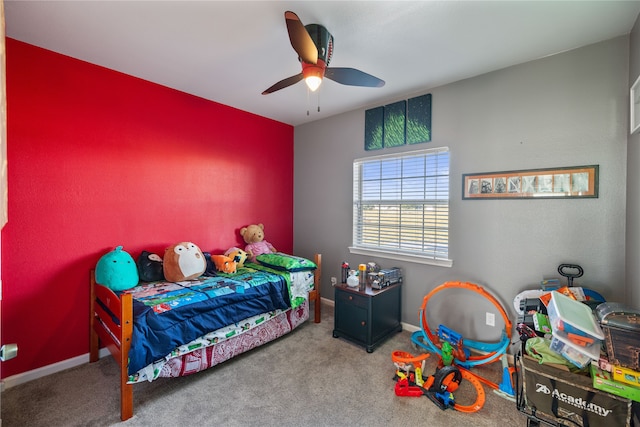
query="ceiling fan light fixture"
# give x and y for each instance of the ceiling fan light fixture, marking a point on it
(314, 46)
(313, 82)
(313, 75)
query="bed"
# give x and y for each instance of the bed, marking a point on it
(166, 329)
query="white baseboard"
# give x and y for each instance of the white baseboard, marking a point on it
(25, 377)
(328, 302)
(409, 327)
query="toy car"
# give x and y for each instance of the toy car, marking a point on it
(387, 277)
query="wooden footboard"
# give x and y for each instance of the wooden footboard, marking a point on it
(314, 295)
(111, 324)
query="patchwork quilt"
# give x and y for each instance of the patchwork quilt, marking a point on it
(167, 315)
(171, 319)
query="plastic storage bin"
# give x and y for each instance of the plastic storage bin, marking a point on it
(575, 319)
(579, 355)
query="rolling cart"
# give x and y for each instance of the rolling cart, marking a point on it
(552, 396)
(549, 396)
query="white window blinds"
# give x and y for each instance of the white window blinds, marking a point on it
(401, 203)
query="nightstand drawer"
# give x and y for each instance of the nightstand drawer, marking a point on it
(351, 299)
(353, 322)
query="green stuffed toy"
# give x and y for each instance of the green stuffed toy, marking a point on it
(117, 270)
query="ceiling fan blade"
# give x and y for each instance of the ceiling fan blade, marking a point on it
(300, 39)
(352, 77)
(283, 83)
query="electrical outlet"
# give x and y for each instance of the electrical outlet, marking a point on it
(8, 351)
(491, 319)
(334, 281)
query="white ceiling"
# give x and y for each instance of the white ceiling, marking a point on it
(230, 51)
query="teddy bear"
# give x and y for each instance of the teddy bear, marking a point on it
(253, 236)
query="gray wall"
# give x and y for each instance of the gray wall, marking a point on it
(565, 110)
(633, 190)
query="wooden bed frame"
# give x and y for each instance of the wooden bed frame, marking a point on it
(116, 336)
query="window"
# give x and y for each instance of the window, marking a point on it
(401, 206)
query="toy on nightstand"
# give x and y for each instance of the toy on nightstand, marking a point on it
(352, 280)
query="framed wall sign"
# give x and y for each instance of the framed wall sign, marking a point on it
(566, 182)
(634, 116)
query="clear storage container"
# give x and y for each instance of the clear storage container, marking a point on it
(574, 319)
(579, 355)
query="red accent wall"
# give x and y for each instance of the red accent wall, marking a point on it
(97, 159)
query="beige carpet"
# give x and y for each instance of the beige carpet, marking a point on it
(307, 378)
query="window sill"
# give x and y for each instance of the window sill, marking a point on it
(402, 257)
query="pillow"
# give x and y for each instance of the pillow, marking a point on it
(281, 261)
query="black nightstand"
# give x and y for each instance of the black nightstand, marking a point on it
(367, 317)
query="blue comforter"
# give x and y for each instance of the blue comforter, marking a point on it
(167, 315)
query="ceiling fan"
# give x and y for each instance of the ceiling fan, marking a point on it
(314, 46)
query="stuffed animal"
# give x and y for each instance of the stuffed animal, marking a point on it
(150, 267)
(253, 236)
(183, 261)
(224, 264)
(238, 255)
(117, 270)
